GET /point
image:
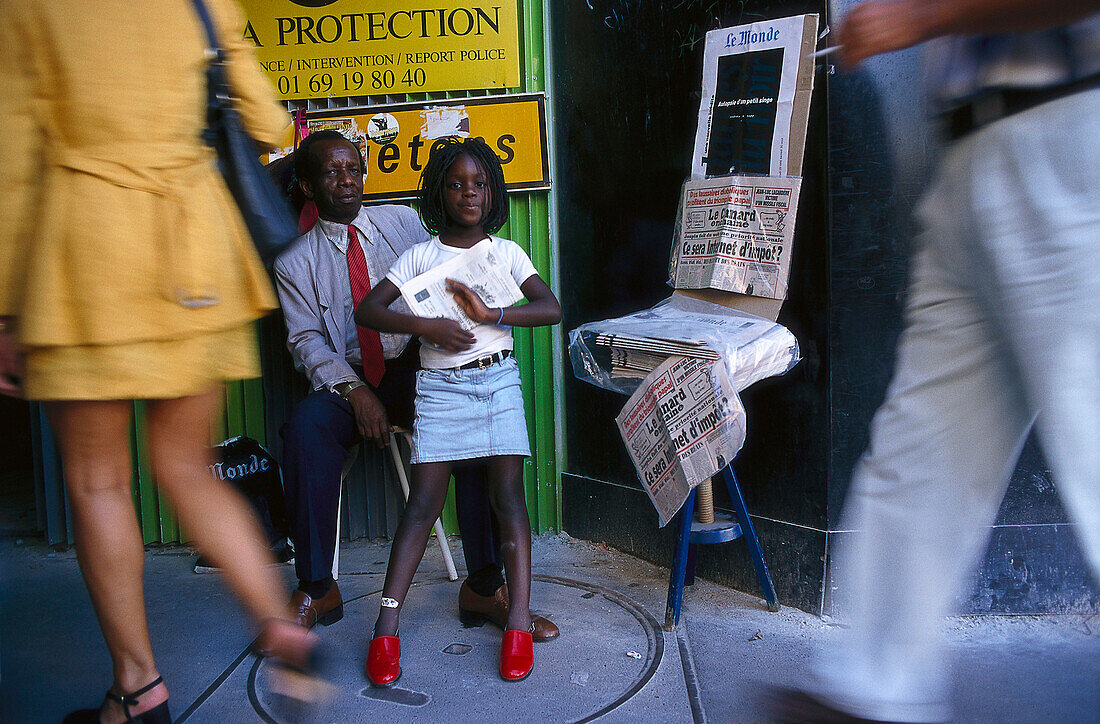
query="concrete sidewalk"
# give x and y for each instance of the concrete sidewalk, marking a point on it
(613, 661)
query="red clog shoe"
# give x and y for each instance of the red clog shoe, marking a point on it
(384, 661)
(516, 655)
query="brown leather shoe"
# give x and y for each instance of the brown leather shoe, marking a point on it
(474, 610)
(326, 610)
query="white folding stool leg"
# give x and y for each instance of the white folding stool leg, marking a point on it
(336, 548)
(352, 455)
(440, 535)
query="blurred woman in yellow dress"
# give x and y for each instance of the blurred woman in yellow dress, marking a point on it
(126, 274)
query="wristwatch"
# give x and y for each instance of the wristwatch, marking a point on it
(344, 388)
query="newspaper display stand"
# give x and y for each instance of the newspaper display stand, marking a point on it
(749, 348)
(729, 266)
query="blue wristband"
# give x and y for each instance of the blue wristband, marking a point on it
(501, 319)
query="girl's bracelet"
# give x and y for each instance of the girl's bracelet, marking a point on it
(501, 318)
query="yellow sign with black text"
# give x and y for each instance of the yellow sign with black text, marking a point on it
(341, 48)
(396, 139)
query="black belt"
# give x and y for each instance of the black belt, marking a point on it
(994, 105)
(487, 361)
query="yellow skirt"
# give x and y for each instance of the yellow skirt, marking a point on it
(161, 369)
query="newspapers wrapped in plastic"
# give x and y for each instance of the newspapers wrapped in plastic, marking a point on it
(683, 363)
(616, 354)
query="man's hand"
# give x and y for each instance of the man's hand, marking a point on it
(370, 415)
(471, 303)
(448, 334)
(880, 26)
(11, 360)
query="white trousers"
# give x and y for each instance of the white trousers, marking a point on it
(1002, 329)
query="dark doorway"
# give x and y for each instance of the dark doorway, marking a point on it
(17, 507)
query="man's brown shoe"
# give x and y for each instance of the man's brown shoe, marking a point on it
(474, 610)
(326, 610)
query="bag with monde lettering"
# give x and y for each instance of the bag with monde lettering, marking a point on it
(249, 467)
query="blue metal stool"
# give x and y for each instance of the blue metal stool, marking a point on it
(724, 528)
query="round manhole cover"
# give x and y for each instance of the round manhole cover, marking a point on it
(608, 650)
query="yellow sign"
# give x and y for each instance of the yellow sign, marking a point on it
(395, 140)
(340, 48)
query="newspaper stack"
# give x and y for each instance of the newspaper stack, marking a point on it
(616, 354)
(630, 364)
(636, 356)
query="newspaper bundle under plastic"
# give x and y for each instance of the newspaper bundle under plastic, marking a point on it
(750, 347)
(735, 234)
(681, 426)
(684, 421)
(479, 268)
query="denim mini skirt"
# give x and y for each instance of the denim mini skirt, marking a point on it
(463, 414)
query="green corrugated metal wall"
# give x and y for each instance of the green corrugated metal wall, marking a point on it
(244, 411)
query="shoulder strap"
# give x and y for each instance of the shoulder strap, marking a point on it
(208, 25)
(217, 79)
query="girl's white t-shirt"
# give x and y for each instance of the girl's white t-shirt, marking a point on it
(489, 337)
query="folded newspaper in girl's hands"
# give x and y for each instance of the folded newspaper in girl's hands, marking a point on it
(480, 268)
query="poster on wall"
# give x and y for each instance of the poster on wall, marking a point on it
(757, 82)
(343, 48)
(395, 140)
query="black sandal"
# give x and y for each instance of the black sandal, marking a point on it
(157, 715)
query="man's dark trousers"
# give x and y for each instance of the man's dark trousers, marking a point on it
(316, 440)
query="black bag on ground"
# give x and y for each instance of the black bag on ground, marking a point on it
(249, 467)
(263, 206)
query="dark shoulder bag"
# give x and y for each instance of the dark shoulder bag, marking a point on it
(266, 212)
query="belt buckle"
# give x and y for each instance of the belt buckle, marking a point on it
(484, 363)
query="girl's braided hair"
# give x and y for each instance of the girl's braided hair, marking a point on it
(444, 153)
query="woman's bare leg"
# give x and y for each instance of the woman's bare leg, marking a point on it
(94, 438)
(216, 517)
(220, 521)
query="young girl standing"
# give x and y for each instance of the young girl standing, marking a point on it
(468, 399)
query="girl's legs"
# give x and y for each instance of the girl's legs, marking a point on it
(94, 438)
(427, 493)
(507, 498)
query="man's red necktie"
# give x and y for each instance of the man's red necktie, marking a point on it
(370, 344)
